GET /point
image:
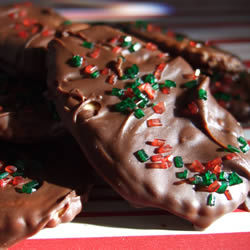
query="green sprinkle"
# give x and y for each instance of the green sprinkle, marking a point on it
(208, 178)
(211, 200)
(223, 176)
(179, 37)
(135, 47)
(245, 148)
(88, 45)
(222, 187)
(155, 86)
(139, 113)
(126, 41)
(242, 140)
(198, 180)
(67, 22)
(150, 78)
(17, 174)
(95, 74)
(178, 162)
(124, 77)
(142, 156)
(141, 24)
(125, 104)
(232, 149)
(182, 175)
(143, 103)
(202, 94)
(169, 84)
(28, 188)
(132, 71)
(3, 175)
(234, 179)
(117, 92)
(76, 61)
(191, 84)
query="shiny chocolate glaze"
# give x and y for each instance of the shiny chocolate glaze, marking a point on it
(25, 32)
(197, 53)
(110, 139)
(227, 71)
(62, 194)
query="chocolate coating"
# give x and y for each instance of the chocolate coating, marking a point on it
(110, 139)
(60, 197)
(197, 53)
(25, 32)
(227, 85)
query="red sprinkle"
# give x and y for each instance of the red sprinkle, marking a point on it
(215, 162)
(105, 71)
(156, 165)
(157, 142)
(90, 69)
(112, 79)
(155, 158)
(117, 49)
(193, 108)
(4, 182)
(47, 33)
(18, 180)
(129, 92)
(165, 90)
(228, 195)
(159, 108)
(149, 91)
(154, 123)
(151, 46)
(114, 40)
(95, 53)
(163, 149)
(34, 30)
(170, 33)
(213, 187)
(192, 43)
(197, 166)
(230, 156)
(10, 169)
(26, 22)
(23, 34)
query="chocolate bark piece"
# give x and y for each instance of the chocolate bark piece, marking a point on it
(197, 53)
(26, 113)
(60, 195)
(228, 83)
(157, 138)
(25, 32)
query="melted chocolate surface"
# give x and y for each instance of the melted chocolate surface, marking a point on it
(193, 128)
(61, 195)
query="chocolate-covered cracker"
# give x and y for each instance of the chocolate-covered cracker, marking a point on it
(40, 187)
(198, 53)
(157, 137)
(24, 35)
(227, 72)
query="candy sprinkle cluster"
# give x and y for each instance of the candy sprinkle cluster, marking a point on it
(13, 175)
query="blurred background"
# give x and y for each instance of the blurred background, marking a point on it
(175, 12)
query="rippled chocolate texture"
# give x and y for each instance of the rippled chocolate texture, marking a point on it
(229, 79)
(26, 114)
(120, 146)
(24, 35)
(62, 193)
